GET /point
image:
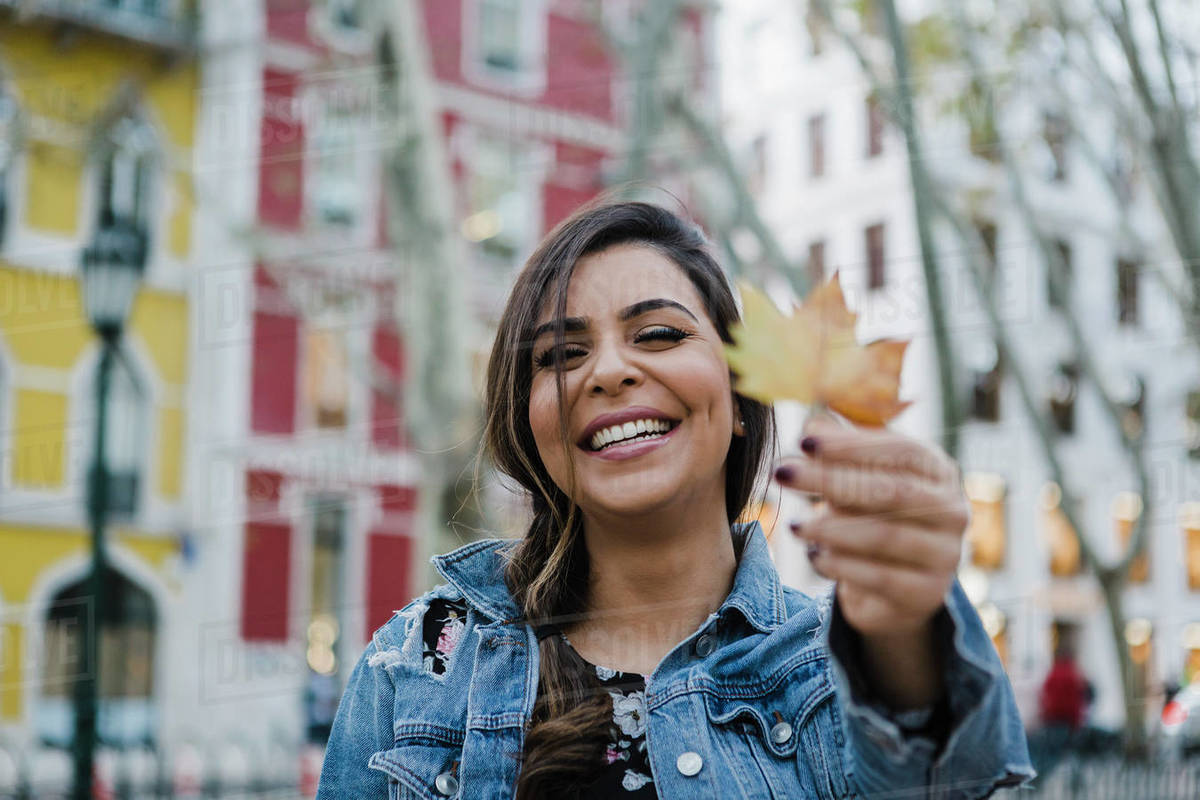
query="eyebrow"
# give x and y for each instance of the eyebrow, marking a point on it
(576, 324)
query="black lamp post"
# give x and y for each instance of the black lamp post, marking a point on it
(112, 270)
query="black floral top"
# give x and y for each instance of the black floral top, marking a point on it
(625, 772)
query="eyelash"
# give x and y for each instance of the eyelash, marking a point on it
(663, 333)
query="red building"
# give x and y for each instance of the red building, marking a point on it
(531, 107)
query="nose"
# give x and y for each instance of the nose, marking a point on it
(612, 370)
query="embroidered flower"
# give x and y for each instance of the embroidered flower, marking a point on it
(634, 780)
(629, 712)
(451, 635)
(604, 673)
(611, 755)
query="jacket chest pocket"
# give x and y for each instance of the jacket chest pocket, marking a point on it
(784, 747)
(422, 764)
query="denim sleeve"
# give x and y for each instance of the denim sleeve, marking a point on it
(966, 748)
(362, 727)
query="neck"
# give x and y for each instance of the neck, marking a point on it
(653, 581)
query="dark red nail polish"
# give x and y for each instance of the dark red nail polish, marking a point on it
(784, 473)
(796, 527)
(813, 551)
(809, 445)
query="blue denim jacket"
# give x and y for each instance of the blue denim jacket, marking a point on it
(764, 700)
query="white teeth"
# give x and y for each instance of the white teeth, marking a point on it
(641, 429)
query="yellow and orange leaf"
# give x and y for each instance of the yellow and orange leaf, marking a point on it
(813, 356)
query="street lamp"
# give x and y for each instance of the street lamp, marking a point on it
(111, 268)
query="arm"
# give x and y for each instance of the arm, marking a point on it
(924, 698)
(965, 744)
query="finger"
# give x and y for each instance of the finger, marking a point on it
(910, 590)
(871, 538)
(887, 494)
(880, 449)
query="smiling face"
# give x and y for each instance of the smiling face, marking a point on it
(648, 398)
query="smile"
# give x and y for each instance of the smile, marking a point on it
(640, 430)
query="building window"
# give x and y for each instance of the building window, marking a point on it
(502, 195)
(986, 230)
(326, 620)
(347, 14)
(128, 630)
(9, 133)
(326, 374)
(816, 146)
(1057, 296)
(127, 432)
(1139, 638)
(127, 171)
(981, 123)
(1191, 425)
(758, 163)
(1189, 522)
(338, 175)
(986, 380)
(814, 23)
(876, 277)
(875, 123)
(1126, 509)
(1065, 556)
(1191, 650)
(1054, 130)
(1132, 401)
(996, 624)
(816, 263)
(987, 533)
(1064, 389)
(1127, 292)
(508, 42)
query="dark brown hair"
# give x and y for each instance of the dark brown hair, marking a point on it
(547, 571)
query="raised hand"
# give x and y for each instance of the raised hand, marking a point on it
(890, 529)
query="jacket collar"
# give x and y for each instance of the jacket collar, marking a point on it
(476, 570)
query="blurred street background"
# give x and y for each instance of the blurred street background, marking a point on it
(252, 253)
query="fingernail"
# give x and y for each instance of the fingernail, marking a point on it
(796, 527)
(813, 499)
(812, 551)
(784, 473)
(809, 445)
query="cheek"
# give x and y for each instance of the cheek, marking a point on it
(543, 421)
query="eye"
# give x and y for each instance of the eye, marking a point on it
(558, 355)
(660, 333)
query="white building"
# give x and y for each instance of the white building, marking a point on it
(796, 104)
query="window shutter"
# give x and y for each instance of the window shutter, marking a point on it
(389, 558)
(266, 581)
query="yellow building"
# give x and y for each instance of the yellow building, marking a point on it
(97, 118)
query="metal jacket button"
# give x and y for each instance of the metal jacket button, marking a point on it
(781, 732)
(704, 645)
(689, 763)
(446, 784)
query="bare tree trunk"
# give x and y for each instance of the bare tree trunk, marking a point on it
(440, 410)
(922, 212)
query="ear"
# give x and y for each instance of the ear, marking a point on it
(739, 424)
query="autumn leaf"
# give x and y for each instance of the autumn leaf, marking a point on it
(813, 356)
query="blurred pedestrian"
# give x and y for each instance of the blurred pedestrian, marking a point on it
(1065, 693)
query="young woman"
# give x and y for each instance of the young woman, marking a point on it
(637, 641)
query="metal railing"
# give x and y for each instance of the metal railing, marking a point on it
(188, 772)
(1113, 778)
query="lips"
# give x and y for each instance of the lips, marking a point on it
(630, 415)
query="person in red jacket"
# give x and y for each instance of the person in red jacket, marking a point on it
(1064, 696)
